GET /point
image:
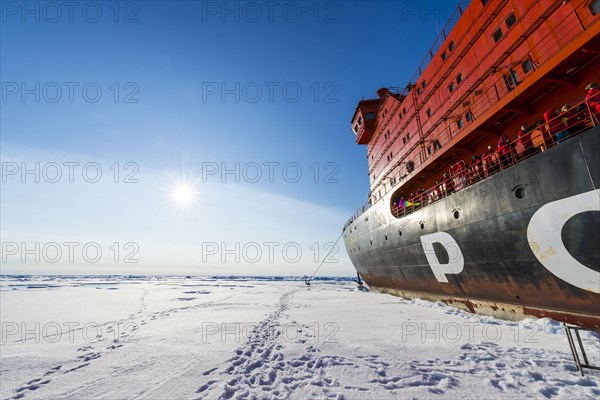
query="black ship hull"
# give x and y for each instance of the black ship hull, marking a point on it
(523, 242)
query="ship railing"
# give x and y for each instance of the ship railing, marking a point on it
(539, 53)
(361, 210)
(458, 11)
(541, 137)
(493, 91)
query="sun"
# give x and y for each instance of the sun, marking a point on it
(183, 191)
(183, 194)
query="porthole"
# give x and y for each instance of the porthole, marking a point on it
(456, 214)
(371, 242)
(422, 225)
(400, 232)
(386, 237)
(520, 192)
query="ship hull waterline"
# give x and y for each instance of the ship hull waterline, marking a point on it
(521, 243)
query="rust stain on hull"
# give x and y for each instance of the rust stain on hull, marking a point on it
(509, 311)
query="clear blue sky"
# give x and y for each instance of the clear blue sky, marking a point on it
(162, 68)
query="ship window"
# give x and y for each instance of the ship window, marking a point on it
(511, 20)
(355, 128)
(436, 144)
(511, 79)
(451, 87)
(404, 140)
(469, 116)
(460, 123)
(359, 121)
(497, 35)
(451, 46)
(408, 136)
(508, 82)
(484, 2)
(423, 84)
(459, 78)
(370, 116)
(418, 90)
(444, 56)
(594, 7)
(527, 66)
(429, 150)
(429, 112)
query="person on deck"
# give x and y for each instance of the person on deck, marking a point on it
(488, 161)
(421, 200)
(411, 201)
(556, 125)
(573, 118)
(462, 174)
(443, 186)
(524, 137)
(592, 98)
(475, 169)
(435, 192)
(504, 151)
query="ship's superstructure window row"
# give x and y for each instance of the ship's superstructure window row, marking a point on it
(450, 97)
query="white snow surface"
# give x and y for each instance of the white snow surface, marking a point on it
(214, 338)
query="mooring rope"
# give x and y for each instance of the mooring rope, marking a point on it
(307, 281)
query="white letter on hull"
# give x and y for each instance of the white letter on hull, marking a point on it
(545, 229)
(456, 261)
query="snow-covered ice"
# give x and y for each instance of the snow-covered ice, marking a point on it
(212, 338)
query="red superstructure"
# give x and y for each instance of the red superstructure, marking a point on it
(502, 65)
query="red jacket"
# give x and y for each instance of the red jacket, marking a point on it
(554, 124)
(593, 99)
(503, 147)
(525, 139)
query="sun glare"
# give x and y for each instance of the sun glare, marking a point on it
(183, 194)
(183, 191)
